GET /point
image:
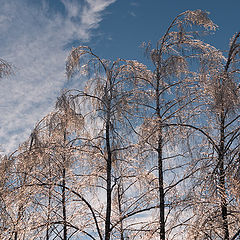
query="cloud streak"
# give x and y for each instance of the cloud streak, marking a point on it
(33, 38)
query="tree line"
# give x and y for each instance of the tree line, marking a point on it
(135, 153)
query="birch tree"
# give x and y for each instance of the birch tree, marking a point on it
(14, 199)
(109, 100)
(42, 179)
(134, 154)
(218, 211)
(50, 143)
(170, 92)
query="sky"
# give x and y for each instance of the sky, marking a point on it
(36, 36)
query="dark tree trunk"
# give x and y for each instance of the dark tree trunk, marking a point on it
(64, 193)
(49, 204)
(15, 235)
(161, 190)
(160, 163)
(19, 216)
(222, 189)
(64, 206)
(109, 182)
(48, 217)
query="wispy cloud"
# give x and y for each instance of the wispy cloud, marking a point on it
(133, 14)
(32, 38)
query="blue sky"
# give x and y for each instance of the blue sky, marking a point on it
(37, 35)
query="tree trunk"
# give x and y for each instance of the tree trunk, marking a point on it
(160, 163)
(48, 214)
(15, 235)
(49, 204)
(64, 194)
(20, 212)
(64, 206)
(109, 183)
(222, 189)
(161, 190)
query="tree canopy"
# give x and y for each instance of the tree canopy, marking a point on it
(139, 152)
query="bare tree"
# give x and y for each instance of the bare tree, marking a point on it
(220, 112)
(134, 154)
(109, 98)
(169, 93)
(51, 143)
(41, 179)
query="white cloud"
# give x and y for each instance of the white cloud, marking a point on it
(73, 7)
(133, 14)
(91, 16)
(33, 39)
